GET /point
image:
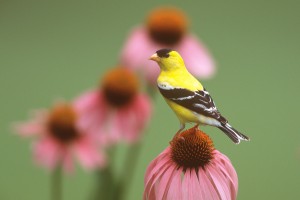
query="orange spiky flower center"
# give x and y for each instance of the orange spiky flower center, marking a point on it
(61, 123)
(192, 149)
(119, 86)
(167, 25)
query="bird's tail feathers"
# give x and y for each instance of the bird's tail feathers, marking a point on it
(233, 134)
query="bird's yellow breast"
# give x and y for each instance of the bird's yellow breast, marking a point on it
(182, 113)
(180, 78)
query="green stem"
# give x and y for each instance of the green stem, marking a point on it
(128, 171)
(56, 184)
(105, 180)
(107, 184)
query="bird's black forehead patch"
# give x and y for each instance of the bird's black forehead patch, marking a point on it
(163, 53)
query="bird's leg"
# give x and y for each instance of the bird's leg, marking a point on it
(196, 126)
(182, 126)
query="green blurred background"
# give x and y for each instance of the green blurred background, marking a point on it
(50, 50)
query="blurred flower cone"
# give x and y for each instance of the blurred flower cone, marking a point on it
(166, 27)
(191, 169)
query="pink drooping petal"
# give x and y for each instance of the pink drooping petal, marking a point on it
(164, 183)
(136, 48)
(225, 180)
(129, 123)
(136, 52)
(175, 185)
(67, 162)
(29, 128)
(194, 192)
(219, 183)
(113, 127)
(34, 126)
(206, 186)
(228, 170)
(92, 110)
(186, 182)
(94, 117)
(161, 160)
(143, 108)
(131, 129)
(197, 59)
(149, 170)
(150, 192)
(151, 69)
(47, 152)
(88, 154)
(87, 101)
(224, 166)
(155, 175)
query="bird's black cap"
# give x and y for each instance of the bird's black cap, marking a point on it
(163, 53)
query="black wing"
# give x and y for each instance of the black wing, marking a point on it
(197, 101)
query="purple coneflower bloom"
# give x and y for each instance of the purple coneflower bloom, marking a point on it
(191, 169)
(116, 111)
(59, 137)
(166, 27)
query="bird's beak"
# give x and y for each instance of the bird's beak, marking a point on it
(155, 57)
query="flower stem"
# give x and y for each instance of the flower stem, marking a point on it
(56, 184)
(128, 172)
(105, 180)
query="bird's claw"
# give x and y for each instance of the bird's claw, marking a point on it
(196, 126)
(181, 138)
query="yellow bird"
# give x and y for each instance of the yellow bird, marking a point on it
(187, 97)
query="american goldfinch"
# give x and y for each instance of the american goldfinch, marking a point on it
(187, 97)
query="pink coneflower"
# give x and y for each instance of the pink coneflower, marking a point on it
(166, 27)
(117, 110)
(191, 169)
(59, 138)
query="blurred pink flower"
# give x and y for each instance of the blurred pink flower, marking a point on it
(117, 111)
(166, 27)
(191, 169)
(59, 138)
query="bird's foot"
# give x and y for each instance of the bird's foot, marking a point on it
(177, 137)
(177, 134)
(181, 138)
(196, 126)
